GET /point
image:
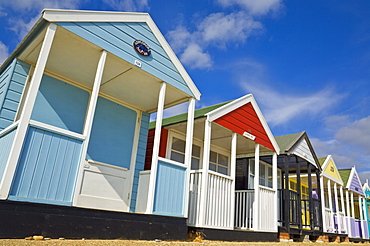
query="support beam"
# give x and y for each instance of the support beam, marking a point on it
(27, 111)
(348, 215)
(232, 174)
(324, 223)
(343, 209)
(361, 216)
(204, 179)
(188, 152)
(157, 139)
(89, 121)
(320, 213)
(331, 205)
(299, 202)
(310, 198)
(286, 208)
(337, 207)
(256, 187)
(275, 187)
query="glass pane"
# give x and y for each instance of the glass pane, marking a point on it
(222, 170)
(223, 160)
(196, 151)
(213, 157)
(177, 157)
(194, 164)
(178, 144)
(269, 176)
(212, 167)
(262, 174)
(279, 179)
(251, 182)
(251, 166)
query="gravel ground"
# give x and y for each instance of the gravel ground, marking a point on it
(23, 242)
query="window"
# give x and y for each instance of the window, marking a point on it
(218, 162)
(178, 153)
(265, 172)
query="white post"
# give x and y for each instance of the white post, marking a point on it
(353, 206)
(343, 209)
(337, 207)
(27, 111)
(324, 222)
(361, 216)
(188, 152)
(89, 121)
(232, 174)
(348, 215)
(331, 205)
(274, 187)
(256, 187)
(157, 139)
(204, 179)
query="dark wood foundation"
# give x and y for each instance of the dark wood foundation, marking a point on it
(21, 219)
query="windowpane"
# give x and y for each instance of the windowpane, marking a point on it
(178, 144)
(177, 157)
(213, 157)
(195, 163)
(212, 167)
(269, 176)
(262, 174)
(196, 151)
(223, 160)
(222, 170)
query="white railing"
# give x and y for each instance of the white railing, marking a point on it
(328, 220)
(244, 209)
(267, 209)
(194, 197)
(342, 222)
(218, 201)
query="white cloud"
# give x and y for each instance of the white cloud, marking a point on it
(128, 5)
(356, 134)
(217, 29)
(4, 52)
(20, 27)
(195, 57)
(234, 27)
(255, 7)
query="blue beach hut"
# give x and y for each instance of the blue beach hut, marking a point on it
(75, 100)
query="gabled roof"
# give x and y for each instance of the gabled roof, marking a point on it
(219, 112)
(164, 65)
(330, 170)
(351, 180)
(290, 144)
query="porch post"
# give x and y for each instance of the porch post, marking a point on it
(324, 226)
(89, 121)
(188, 152)
(204, 179)
(274, 187)
(361, 215)
(287, 206)
(348, 215)
(27, 111)
(310, 198)
(343, 209)
(337, 207)
(232, 174)
(157, 139)
(299, 202)
(352, 206)
(331, 205)
(320, 219)
(256, 187)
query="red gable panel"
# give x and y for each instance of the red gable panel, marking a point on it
(245, 119)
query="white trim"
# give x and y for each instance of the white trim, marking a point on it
(322, 191)
(57, 129)
(343, 208)
(256, 186)
(324, 166)
(88, 122)
(349, 227)
(188, 152)
(106, 165)
(9, 128)
(221, 111)
(172, 162)
(234, 140)
(330, 204)
(274, 186)
(337, 206)
(361, 215)
(27, 110)
(157, 139)
(205, 170)
(24, 93)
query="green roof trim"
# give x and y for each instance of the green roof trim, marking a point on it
(344, 174)
(321, 160)
(184, 117)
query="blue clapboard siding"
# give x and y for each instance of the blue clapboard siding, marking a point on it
(112, 134)
(117, 38)
(47, 169)
(170, 190)
(60, 104)
(356, 185)
(12, 82)
(6, 141)
(140, 157)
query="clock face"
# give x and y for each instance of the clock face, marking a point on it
(141, 48)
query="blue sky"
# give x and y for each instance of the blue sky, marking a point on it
(306, 62)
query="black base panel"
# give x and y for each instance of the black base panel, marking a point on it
(296, 231)
(235, 235)
(21, 219)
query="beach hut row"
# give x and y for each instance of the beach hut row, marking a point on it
(79, 157)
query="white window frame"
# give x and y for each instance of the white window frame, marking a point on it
(267, 166)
